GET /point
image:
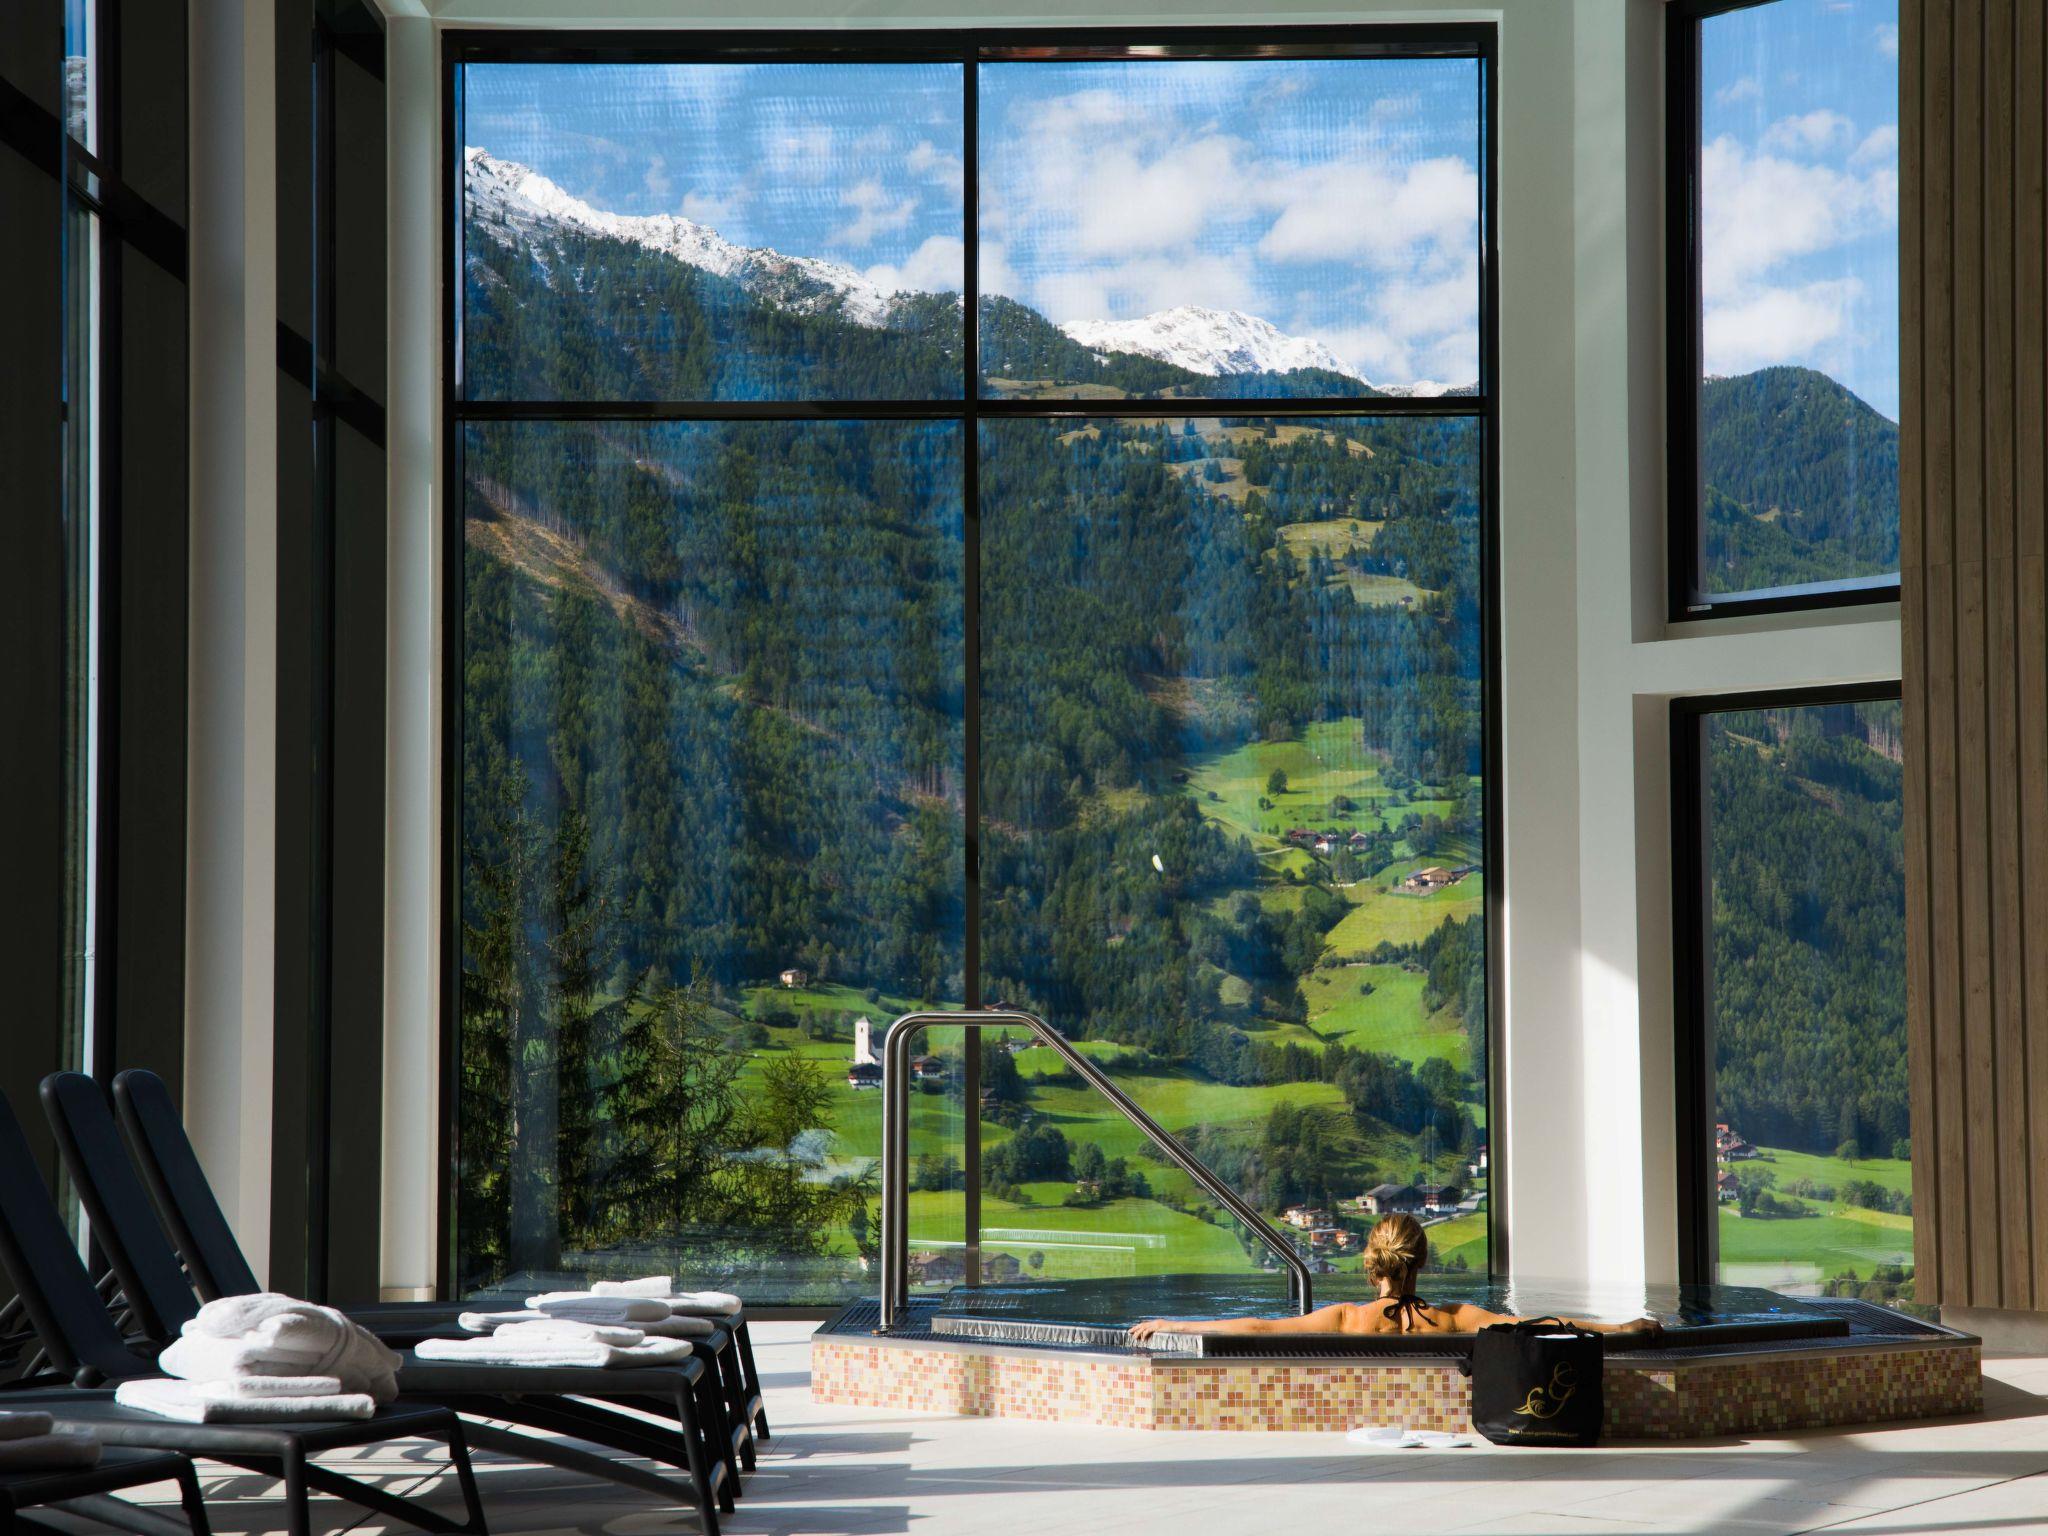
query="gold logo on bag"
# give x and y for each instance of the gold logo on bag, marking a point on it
(1546, 1402)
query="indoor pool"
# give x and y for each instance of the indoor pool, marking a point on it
(1731, 1359)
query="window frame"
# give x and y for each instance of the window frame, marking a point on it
(968, 47)
(1685, 352)
(1692, 914)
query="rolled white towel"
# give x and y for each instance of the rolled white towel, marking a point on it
(49, 1452)
(657, 1286)
(174, 1399)
(673, 1327)
(586, 1308)
(567, 1328)
(25, 1426)
(490, 1322)
(703, 1303)
(495, 1350)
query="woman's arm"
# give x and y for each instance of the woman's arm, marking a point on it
(1340, 1317)
(1466, 1318)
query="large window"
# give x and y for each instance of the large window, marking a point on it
(1792, 930)
(1784, 304)
(1121, 655)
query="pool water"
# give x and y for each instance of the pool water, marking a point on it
(1123, 1301)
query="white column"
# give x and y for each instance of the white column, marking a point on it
(1539, 1144)
(412, 677)
(231, 748)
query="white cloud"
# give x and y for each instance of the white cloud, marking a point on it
(934, 267)
(1879, 147)
(1747, 88)
(930, 163)
(876, 212)
(1770, 325)
(721, 213)
(1810, 132)
(1362, 210)
(1126, 203)
(1760, 210)
(656, 180)
(803, 153)
(1888, 40)
(1420, 328)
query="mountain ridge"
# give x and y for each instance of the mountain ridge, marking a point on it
(510, 201)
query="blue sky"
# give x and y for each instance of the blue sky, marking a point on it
(857, 162)
(1338, 199)
(1800, 191)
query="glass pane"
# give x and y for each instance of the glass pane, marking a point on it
(1799, 237)
(1807, 998)
(1232, 828)
(1303, 227)
(82, 625)
(81, 72)
(712, 231)
(711, 820)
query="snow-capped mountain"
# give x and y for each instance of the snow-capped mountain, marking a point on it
(519, 201)
(1213, 341)
(516, 205)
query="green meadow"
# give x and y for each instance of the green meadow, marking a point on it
(1831, 1239)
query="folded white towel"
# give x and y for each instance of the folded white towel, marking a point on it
(558, 1328)
(49, 1452)
(703, 1302)
(23, 1426)
(174, 1399)
(586, 1308)
(272, 1335)
(657, 1286)
(556, 1351)
(678, 1328)
(267, 1386)
(487, 1322)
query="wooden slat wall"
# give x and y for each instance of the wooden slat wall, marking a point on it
(1973, 91)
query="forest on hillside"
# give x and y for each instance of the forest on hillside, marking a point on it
(1809, 965)
(1800, 482)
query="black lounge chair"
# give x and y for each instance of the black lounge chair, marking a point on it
(71, 1322)
(185, 1200)
(545, 1397)
(89, 1491)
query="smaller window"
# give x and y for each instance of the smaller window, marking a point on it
(1797, 1160)
(1784, 304)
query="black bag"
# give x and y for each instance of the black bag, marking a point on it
(1537, 1383)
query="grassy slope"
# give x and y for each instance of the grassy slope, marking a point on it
(1379, 913)
(1834, 1237)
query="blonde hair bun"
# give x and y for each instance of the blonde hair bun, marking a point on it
(1398, 1247)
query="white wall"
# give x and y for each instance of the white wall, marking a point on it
(231, 747)
(1589, 663)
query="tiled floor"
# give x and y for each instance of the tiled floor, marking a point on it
(861, 1471)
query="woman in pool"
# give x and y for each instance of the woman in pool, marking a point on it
(1394, 1256)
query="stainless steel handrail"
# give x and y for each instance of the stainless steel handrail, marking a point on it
(896, 1148)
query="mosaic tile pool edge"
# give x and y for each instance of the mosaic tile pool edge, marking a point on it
(1693, 1402)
